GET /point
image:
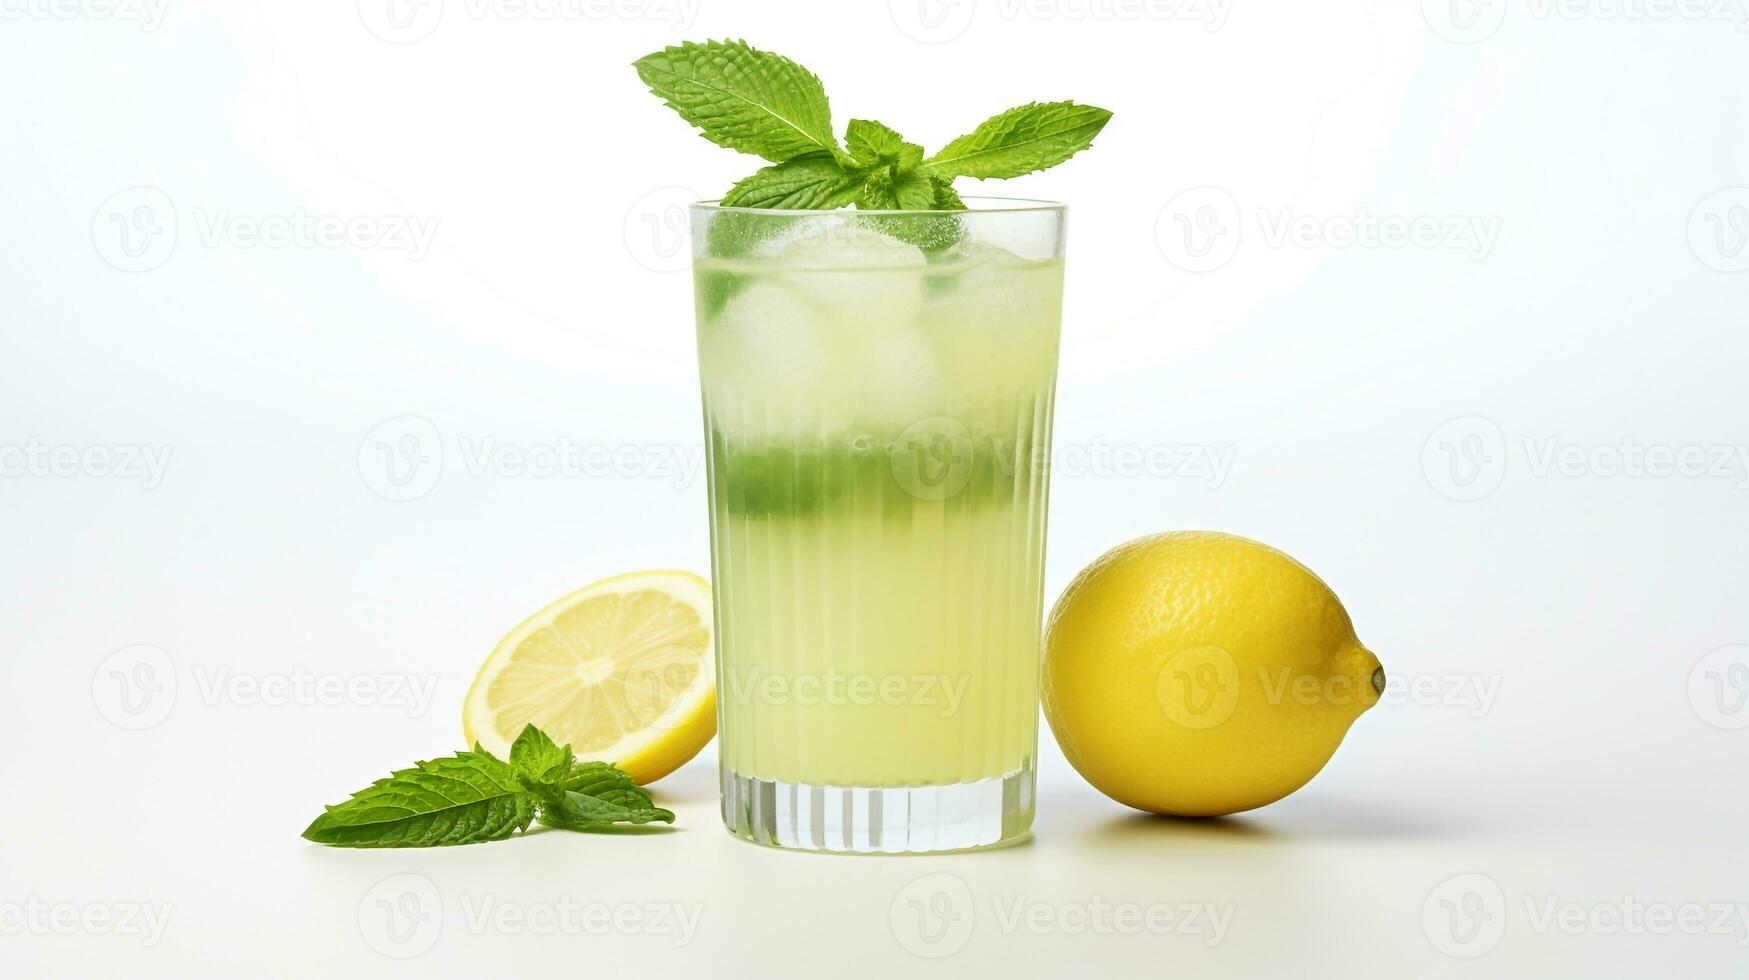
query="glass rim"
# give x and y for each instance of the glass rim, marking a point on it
(992, 205)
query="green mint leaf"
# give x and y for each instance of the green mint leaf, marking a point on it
(594, 795)
(914, 192)
(870, 142)
(463, 799)
(585, 812)
(946, 199)
(888, 167)
(593, 777)
(813, 181)
(762, 103)
(743, 98)
(1020, 141)
(535, 757)
(473, 797)
(919, 191)
(874, 144)
(878, 193)
(910, 158)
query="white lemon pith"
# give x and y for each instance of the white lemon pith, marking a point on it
(622, 670)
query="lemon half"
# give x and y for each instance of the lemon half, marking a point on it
(621, 669)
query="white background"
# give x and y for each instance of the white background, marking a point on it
(1518, 449)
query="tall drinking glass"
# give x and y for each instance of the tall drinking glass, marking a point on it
(877, 401)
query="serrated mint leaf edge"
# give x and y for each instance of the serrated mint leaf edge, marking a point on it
(376, 816)
(949, 161)
(868, 140)
(585, 812)
(534, 756)
(576, 801)
(811, 182)
(660, 63)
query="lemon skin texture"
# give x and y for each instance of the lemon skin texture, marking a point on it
(1196, 673)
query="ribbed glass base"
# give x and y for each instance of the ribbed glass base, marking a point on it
(879, 820)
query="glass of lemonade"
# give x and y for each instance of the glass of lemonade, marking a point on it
(877, 400)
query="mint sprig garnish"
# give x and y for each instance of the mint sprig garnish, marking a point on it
(473, 797)
(765, 104)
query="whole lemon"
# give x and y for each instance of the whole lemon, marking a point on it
(1197, 673)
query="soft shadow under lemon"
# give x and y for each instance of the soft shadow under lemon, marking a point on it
(1155, 830)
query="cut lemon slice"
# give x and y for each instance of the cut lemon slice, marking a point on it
(621, 669)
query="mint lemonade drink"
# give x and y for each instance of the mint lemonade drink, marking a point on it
(878, 417)
(877, 398)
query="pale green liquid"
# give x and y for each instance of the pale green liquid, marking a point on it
(877, 441)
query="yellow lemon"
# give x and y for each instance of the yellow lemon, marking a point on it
(1198, 673)
(621, 669)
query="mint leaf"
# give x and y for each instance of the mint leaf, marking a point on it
(585, 813)
(463, 799)
(762, 103)
(534, 756)
(878, 192)
(888, 165)
(591, 777)
(915, 192)
(582, 796)
(870, 142)
(813, 181)
(946, 199)
(593, 795)
(1020, 141)
(473, 797)
(874, 144)
(743, 98)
